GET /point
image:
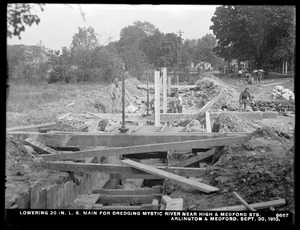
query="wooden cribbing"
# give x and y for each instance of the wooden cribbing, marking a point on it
(196, 158)
(182, 145)
(119, 169)
(152, 170)
(40, 147)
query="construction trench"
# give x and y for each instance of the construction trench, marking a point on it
(128, 170)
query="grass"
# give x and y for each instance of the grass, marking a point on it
(24, 96)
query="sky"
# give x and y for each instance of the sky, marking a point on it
(59, 22)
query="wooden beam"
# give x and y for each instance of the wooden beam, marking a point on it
(180, 87)
(152, 170)
(126, 199)
(206, 107)
(183, 145)
(256, 206)
(155, 204)
(169, 85)
(244, 202)
(114, 127)
(40, 147)
(126, 208)
(175, 204)
(165, 199)
(30, 127)
(162, 129)
(195, 159)
(157, 98)
(207, 120)
(165, 103)
(85, 201)
(118, 169)
(137, 128)
(138, 191)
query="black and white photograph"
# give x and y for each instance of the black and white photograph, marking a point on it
(158, 112)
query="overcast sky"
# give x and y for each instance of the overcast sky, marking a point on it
(59, 22)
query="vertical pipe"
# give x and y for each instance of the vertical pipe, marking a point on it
(165, 103)
(157, 98)
(123, 99)
(285, 67)
(169, 85)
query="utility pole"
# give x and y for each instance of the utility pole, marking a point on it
(178, 54)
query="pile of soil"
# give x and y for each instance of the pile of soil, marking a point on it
(233, 123)
(259, 171)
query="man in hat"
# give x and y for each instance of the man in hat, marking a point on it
(115, 95)
(244, 99)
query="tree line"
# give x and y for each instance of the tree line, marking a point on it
(255, 33)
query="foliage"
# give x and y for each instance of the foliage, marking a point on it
(20, 15)
(253, 32)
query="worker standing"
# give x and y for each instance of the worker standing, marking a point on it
(115, 95)
(178, 103)
(244, 99)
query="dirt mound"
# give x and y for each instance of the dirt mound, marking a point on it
(215, 85)
(233, 123)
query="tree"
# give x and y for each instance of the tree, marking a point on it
(251, 32)
(83, 45)
(20, 15)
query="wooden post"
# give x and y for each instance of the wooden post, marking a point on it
(165, 103)
(157, 98)
(285, 67)
(207, 119)
(177, 77)
(169, 85)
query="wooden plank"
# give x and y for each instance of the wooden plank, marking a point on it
(63, 116)
(256, 206)
(126, 208)
(155, 204)
(183, 145)
(118, 169)
(152, 170)
(139, 126)
(157, 98)
(164, 127)
(180, 87)
(126, 199)
(165, 103)
(85, 201)
(30, 127)
(40, 147)
(165, 199)
(244, 202)
(207, 121)
(138, 191)
(112, 139)
(114, 127)
(206, 107)
(174, 204)
(196, 158)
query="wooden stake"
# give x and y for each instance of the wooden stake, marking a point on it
(157, 98)
(165, 102)
(207, 119)
(244, 202)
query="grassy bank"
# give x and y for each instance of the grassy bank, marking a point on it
(24, 96)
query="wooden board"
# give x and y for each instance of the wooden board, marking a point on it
(111, 139)
(40, 147)
(138, 191)
(85, 201)
(126, 208)
(183, 145)
(30, 127)
(152, 170)
(119, 169)
(256, 206)
(174, 204)
(196, 158)
(126, 199)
